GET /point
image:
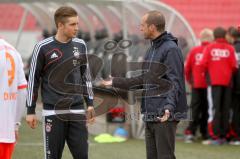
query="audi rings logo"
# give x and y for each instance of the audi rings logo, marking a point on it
(222, 53)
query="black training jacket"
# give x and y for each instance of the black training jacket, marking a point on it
(62, 71)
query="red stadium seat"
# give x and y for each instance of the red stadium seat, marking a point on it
(11, 15)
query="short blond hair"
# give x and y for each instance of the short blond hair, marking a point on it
(206, 35)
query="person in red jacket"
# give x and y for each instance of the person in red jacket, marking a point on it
(219, 62)
(197, 80)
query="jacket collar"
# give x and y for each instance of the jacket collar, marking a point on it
(221, 40)
(157, 40)
(204, 43)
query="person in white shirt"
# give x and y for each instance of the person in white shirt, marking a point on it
(12, 97)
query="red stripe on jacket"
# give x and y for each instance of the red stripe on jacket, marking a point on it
(22, 86)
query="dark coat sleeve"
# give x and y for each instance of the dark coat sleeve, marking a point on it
(174, 61)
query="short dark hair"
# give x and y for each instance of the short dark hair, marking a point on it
(63, 13)
(157, 19)
(234, 32)
(219, 32)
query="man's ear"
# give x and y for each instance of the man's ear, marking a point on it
(60, 25)
(153, 27)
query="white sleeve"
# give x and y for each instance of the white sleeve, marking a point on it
(20, 73)
(21, 101)
(22, 91)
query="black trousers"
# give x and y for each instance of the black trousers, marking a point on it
(199, 109)
(219, 118)
(236, 115)
(57, 131)
(160, 140)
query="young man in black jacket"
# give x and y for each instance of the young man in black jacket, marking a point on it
(60, 65)
(161, 111)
